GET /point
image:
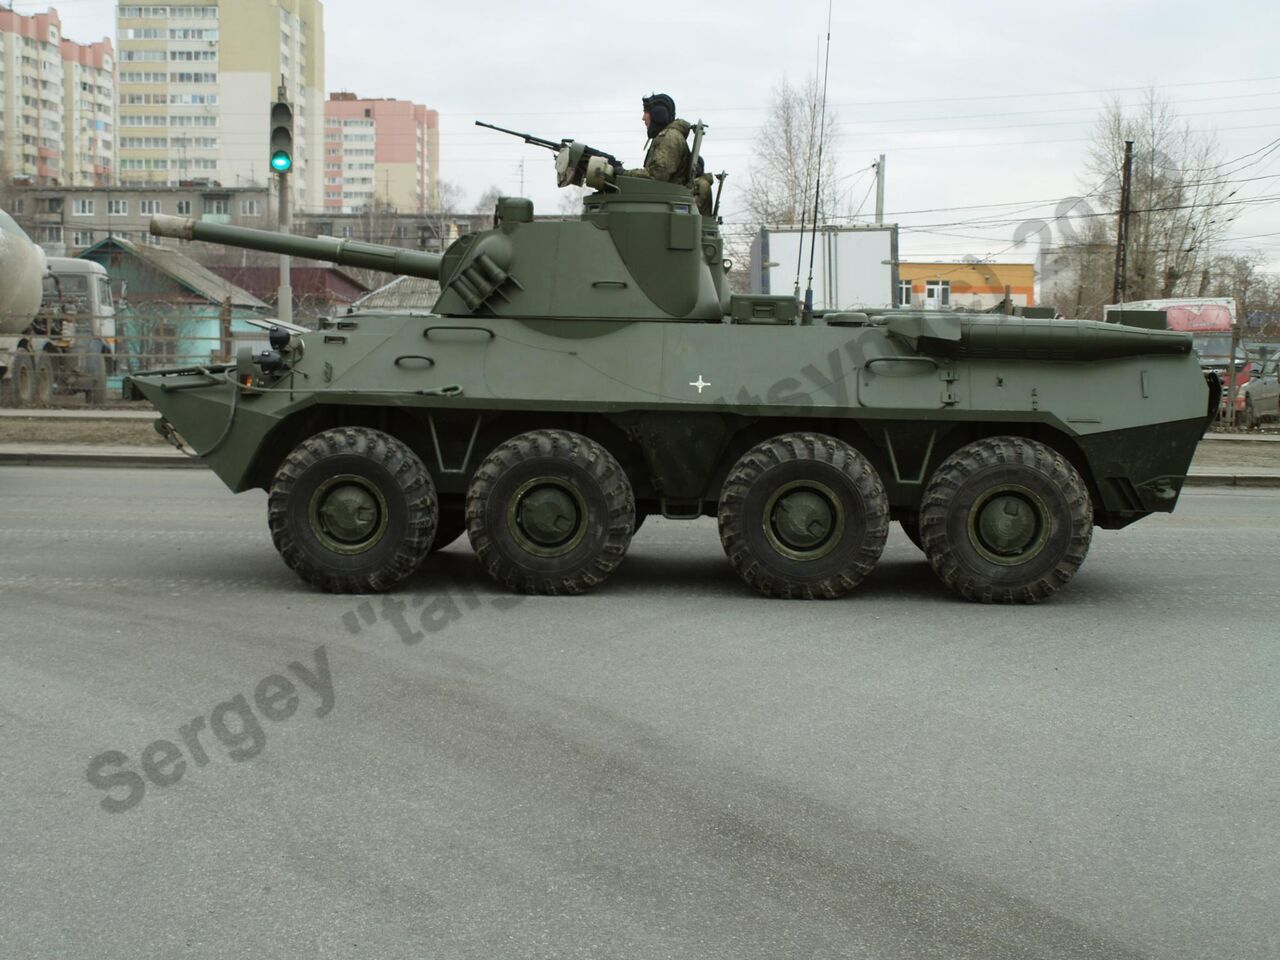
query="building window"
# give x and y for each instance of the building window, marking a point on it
(18, 206)
(217, 206)
(904, 292)
(82, 238)
(937, 293)
(184, 208)
(117, 208)
(250, 208)
(146, 207)
(51, 234)
(81, 207)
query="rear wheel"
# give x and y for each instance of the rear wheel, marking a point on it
(352, 510)
(1006, 520)
(803, 516)
(43, 385)
(550, 512)
(23, 376)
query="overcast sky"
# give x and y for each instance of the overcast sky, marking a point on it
(980, 103)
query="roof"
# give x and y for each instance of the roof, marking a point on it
(185, 271)
(402, 293)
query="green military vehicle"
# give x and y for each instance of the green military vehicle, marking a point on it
(578, 375)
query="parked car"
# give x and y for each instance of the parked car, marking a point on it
(1258, 395)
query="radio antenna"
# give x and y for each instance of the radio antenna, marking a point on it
(807, 315)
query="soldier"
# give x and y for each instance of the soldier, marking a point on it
(667, 157)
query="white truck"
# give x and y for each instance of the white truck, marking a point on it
(57, 323)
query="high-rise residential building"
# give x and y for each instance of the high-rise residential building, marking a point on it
(89, 110)
(197, 81)
(379, 153)
(57, 102)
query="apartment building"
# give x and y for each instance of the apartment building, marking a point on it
(196, 84)
(379, 153)
(67, 220)
(57, 102)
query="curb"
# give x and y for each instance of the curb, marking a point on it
(168, 461)
(160, 461)
(1231, 480)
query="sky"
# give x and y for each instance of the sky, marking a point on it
(974, 106)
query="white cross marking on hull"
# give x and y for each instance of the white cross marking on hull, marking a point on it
(699, 383)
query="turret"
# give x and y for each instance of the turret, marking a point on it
(640, 251)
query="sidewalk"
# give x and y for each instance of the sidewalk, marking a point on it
(85, 455)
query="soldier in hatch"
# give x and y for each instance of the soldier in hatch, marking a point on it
(667, 157)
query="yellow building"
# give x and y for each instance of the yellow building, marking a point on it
(196, 84)
(975, 286)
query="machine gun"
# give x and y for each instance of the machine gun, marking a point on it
(577, 164)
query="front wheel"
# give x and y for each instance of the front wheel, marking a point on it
(44, 375)
(1006, 520)
(550, 512)
(803, 516)
(352, 510)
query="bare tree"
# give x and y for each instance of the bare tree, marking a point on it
(1176, 221)
(487, 202)
(781, 181)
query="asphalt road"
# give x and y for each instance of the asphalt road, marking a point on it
(669, 767)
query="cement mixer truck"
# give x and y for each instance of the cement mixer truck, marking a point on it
(57, 323)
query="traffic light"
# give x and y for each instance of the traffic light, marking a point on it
(281, 136)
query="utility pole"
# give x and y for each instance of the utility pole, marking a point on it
(1122, 228)
(880, 190)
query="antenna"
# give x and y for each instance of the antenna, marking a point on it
(806, 315)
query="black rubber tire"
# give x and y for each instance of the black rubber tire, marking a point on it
(451, 524)
(386, 466)
(744, 503)
(95, 367)
(910, 524)
(1063, 517)
(44, 376)
(577, 465)
(23, 375)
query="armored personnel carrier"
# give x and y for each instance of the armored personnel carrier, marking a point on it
(578, 375)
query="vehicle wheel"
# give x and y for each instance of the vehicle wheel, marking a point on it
(803, 516)
(1250, 417)
(910, 524)
(1006, 520)
(352, 510)
(43, 380)
(23, 376)
(550, 512)
(95, 366)
(451, 524)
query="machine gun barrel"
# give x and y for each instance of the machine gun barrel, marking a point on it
(526, 137)
(351, 253)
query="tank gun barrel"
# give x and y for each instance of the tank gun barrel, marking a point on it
(350, 253)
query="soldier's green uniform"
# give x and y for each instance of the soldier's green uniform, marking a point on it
(668, 155)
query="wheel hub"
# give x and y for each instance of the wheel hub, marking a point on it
(1009, 524)
(547, 517)
(348, 514)
(803, 520)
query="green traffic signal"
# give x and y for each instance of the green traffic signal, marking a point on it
(281, 162)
